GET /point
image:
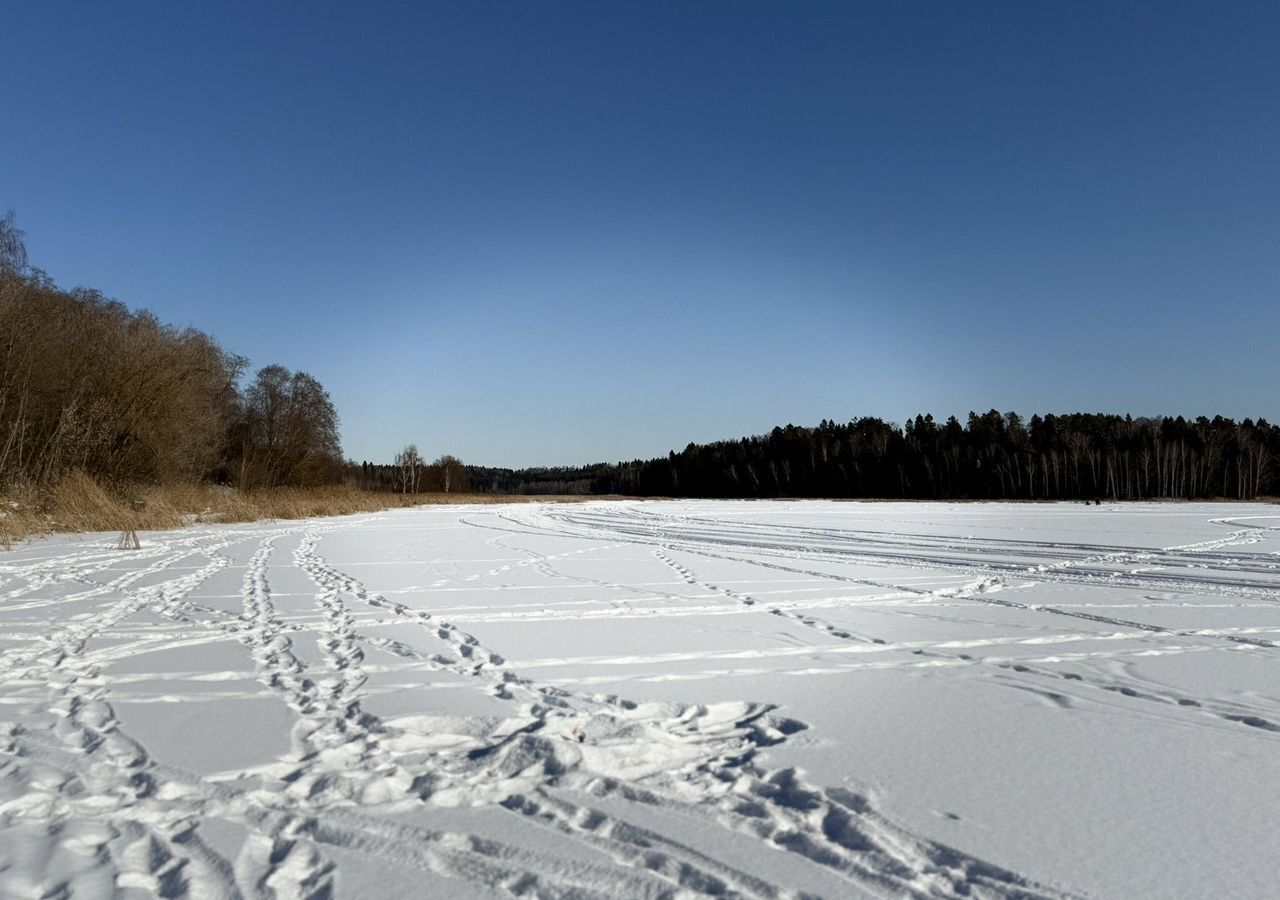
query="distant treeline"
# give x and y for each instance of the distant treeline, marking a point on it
(601, 478)
(992, 456)
(87, 385)
(411, 475)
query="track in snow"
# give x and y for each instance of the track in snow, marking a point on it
(371, 714)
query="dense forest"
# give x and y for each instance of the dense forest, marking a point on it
(992, 456)
(88, 386)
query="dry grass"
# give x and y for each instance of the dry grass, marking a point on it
(78, 503)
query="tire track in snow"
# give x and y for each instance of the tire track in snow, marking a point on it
(989, 581)
(1226, 712)
(598, 525)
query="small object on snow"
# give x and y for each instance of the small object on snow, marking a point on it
(578, 735)
(129, 541)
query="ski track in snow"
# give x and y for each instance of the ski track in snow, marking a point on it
(87, 809)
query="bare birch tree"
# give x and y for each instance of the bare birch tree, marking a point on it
(409, 463)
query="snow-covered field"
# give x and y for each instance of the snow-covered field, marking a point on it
(773, 699)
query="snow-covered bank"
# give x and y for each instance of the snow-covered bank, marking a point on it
(650, 699)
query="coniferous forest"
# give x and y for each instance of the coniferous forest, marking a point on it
(991, 456)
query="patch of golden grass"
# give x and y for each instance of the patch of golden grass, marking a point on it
(78, 503)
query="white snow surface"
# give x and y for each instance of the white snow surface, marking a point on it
(774, 699)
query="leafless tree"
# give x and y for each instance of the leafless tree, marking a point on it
(451, 473)
(409, 462)
(86, 384)
(288, 433)
(13, 246)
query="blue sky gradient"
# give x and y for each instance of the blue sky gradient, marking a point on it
(544, 233)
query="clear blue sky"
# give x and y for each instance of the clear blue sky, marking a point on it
(531, 233)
